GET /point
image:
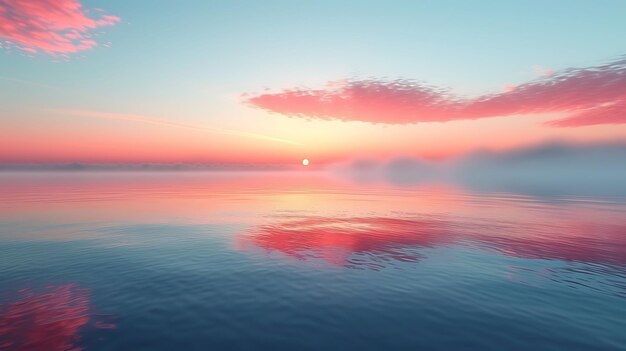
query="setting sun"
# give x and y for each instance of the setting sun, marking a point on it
(462, 174)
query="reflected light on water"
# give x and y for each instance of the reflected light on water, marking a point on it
(312, 256)
(339, 239)
(369, 241)
(51, 320)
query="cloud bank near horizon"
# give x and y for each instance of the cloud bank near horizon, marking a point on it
(588, 96)
(546, 169)
(52, 27)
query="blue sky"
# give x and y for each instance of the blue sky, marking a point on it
(190, 61)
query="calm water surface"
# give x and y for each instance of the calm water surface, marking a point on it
(200, 261)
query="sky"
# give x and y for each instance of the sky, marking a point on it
(117, 81)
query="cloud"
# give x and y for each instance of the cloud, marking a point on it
(610, 113)
(53, 27)
(593, 95)
(541, 71)
(28, 82)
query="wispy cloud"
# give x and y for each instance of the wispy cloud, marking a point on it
(27, 82)
(593, 95)
(53, 27)
(162, 122)
(609, 113)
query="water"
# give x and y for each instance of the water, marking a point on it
(200, 261)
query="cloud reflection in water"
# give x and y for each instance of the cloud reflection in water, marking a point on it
(375, 242)
(50, 320)
(347, 241)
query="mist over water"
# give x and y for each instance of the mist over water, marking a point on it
(312, 175)
(287, 260)
(548, 170)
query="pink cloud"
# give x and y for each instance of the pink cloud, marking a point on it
(53, 27)
(592, 95)
(541, 71)
(612, 113)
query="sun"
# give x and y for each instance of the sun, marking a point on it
(305, 162)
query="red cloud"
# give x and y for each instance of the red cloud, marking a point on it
(592, 95)
(54, 27)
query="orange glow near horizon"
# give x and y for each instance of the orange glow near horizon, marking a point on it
(123, 140)
(104, 104)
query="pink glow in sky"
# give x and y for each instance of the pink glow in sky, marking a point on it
(212, 82)
(53, 27)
